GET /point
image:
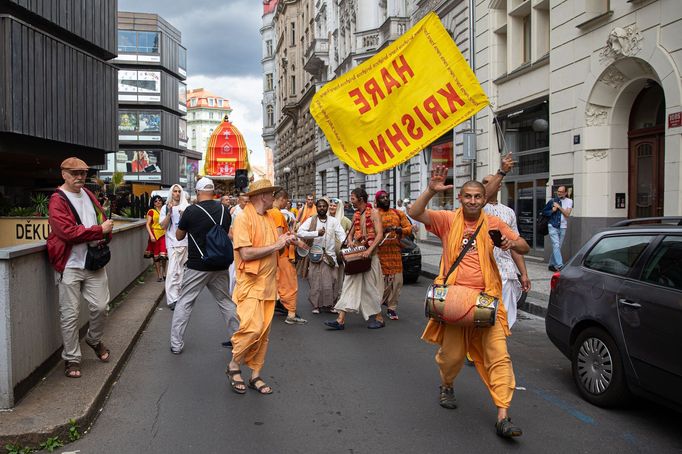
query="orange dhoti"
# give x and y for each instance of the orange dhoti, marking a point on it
(250, 343)
(287, 282)
(488, 349)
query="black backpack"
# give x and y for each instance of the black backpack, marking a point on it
(219, 250)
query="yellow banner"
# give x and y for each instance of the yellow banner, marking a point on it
(385, 111)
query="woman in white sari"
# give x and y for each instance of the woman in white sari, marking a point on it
(169, 218)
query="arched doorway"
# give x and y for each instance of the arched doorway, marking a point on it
(646, 152)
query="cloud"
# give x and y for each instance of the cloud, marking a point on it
(221, 37)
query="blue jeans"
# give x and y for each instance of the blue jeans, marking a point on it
(557, 236)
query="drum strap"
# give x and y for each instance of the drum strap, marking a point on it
(461, 254)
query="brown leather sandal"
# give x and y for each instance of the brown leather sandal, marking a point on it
(72, 369)
(237, 385)
(261, 387)
(101, 351)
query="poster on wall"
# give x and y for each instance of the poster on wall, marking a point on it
(182, 97)
(143, 161)
(149, 81)
(149, 122)
(127, 121)
(182, 130)
(127, 81)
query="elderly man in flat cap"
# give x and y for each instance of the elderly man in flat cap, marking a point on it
(76, 221)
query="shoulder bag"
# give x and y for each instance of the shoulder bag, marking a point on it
(99, 255)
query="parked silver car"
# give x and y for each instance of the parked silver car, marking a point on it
(615, 310)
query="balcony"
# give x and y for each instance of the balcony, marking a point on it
(392, 29)
(317, 56)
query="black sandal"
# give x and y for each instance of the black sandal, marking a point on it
(506, 429)
(252, 385)
(72, 369)
(103, 353)
(447, 397)
(235, 383)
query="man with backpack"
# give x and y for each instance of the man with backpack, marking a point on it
(210, 254)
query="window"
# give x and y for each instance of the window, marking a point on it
(268, 48)
(182, 96)
(127, 41)
(194, 133)
(211, 102)
(526, 39)
(148, 42)
(210, 115)
(268, 82)
(617, 254)
(293, 33)
(182, 130)
(220, 103)
(193, 102)
(293, 85)
(270, 116)
(182, 58)
(664, 267)
(194, 115)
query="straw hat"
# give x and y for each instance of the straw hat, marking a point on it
(261, 187)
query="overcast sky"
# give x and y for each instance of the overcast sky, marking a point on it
(223, 44)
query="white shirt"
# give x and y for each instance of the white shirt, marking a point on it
(565, 203)
(504, 260)
(332, 232)
(86, 211)
(171, 240)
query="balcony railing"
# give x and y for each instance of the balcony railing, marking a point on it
(317, 56)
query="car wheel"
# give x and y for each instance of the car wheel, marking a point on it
(598, 369)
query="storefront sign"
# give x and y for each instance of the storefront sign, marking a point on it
(385, 111)
(15, 231)
(675, 120)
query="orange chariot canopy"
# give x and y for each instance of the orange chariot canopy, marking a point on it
(226, 152)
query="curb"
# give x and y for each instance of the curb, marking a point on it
(85, 415)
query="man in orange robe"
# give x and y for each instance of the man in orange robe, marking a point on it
(287, 282)
(477, 270)
(308, 210)
(256, 245)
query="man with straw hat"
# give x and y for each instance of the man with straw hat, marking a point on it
(256, 245)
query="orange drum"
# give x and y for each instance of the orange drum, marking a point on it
(460, 306)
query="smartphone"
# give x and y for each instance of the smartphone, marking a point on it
(496, 236)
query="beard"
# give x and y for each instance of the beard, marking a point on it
(384, 205)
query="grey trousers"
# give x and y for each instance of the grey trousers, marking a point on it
(94, 288)
(193, 282)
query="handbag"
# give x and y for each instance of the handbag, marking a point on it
(98, 255)
(459, 305)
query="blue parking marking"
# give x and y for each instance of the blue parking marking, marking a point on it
(565, 406)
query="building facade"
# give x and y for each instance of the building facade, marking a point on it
(269, 103)
(205, 111)
(587, 95)
(60, 104)
(152, 101)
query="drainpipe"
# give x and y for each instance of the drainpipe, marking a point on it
(472, 63)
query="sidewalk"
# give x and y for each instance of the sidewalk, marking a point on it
(46, 410)
(538, 297)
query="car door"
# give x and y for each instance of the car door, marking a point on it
(650, 312)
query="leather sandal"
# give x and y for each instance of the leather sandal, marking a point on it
(252, 385)
(235, 383)
(101, 351)
(506, 429)
(447, 398)
(72, 369)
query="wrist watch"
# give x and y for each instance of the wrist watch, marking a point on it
(500, 172)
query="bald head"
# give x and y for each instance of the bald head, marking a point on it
(472, 184)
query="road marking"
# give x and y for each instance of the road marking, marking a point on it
(565, 406)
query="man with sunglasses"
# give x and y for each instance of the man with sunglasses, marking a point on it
(67, 247)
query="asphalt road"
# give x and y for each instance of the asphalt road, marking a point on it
(354, 391)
